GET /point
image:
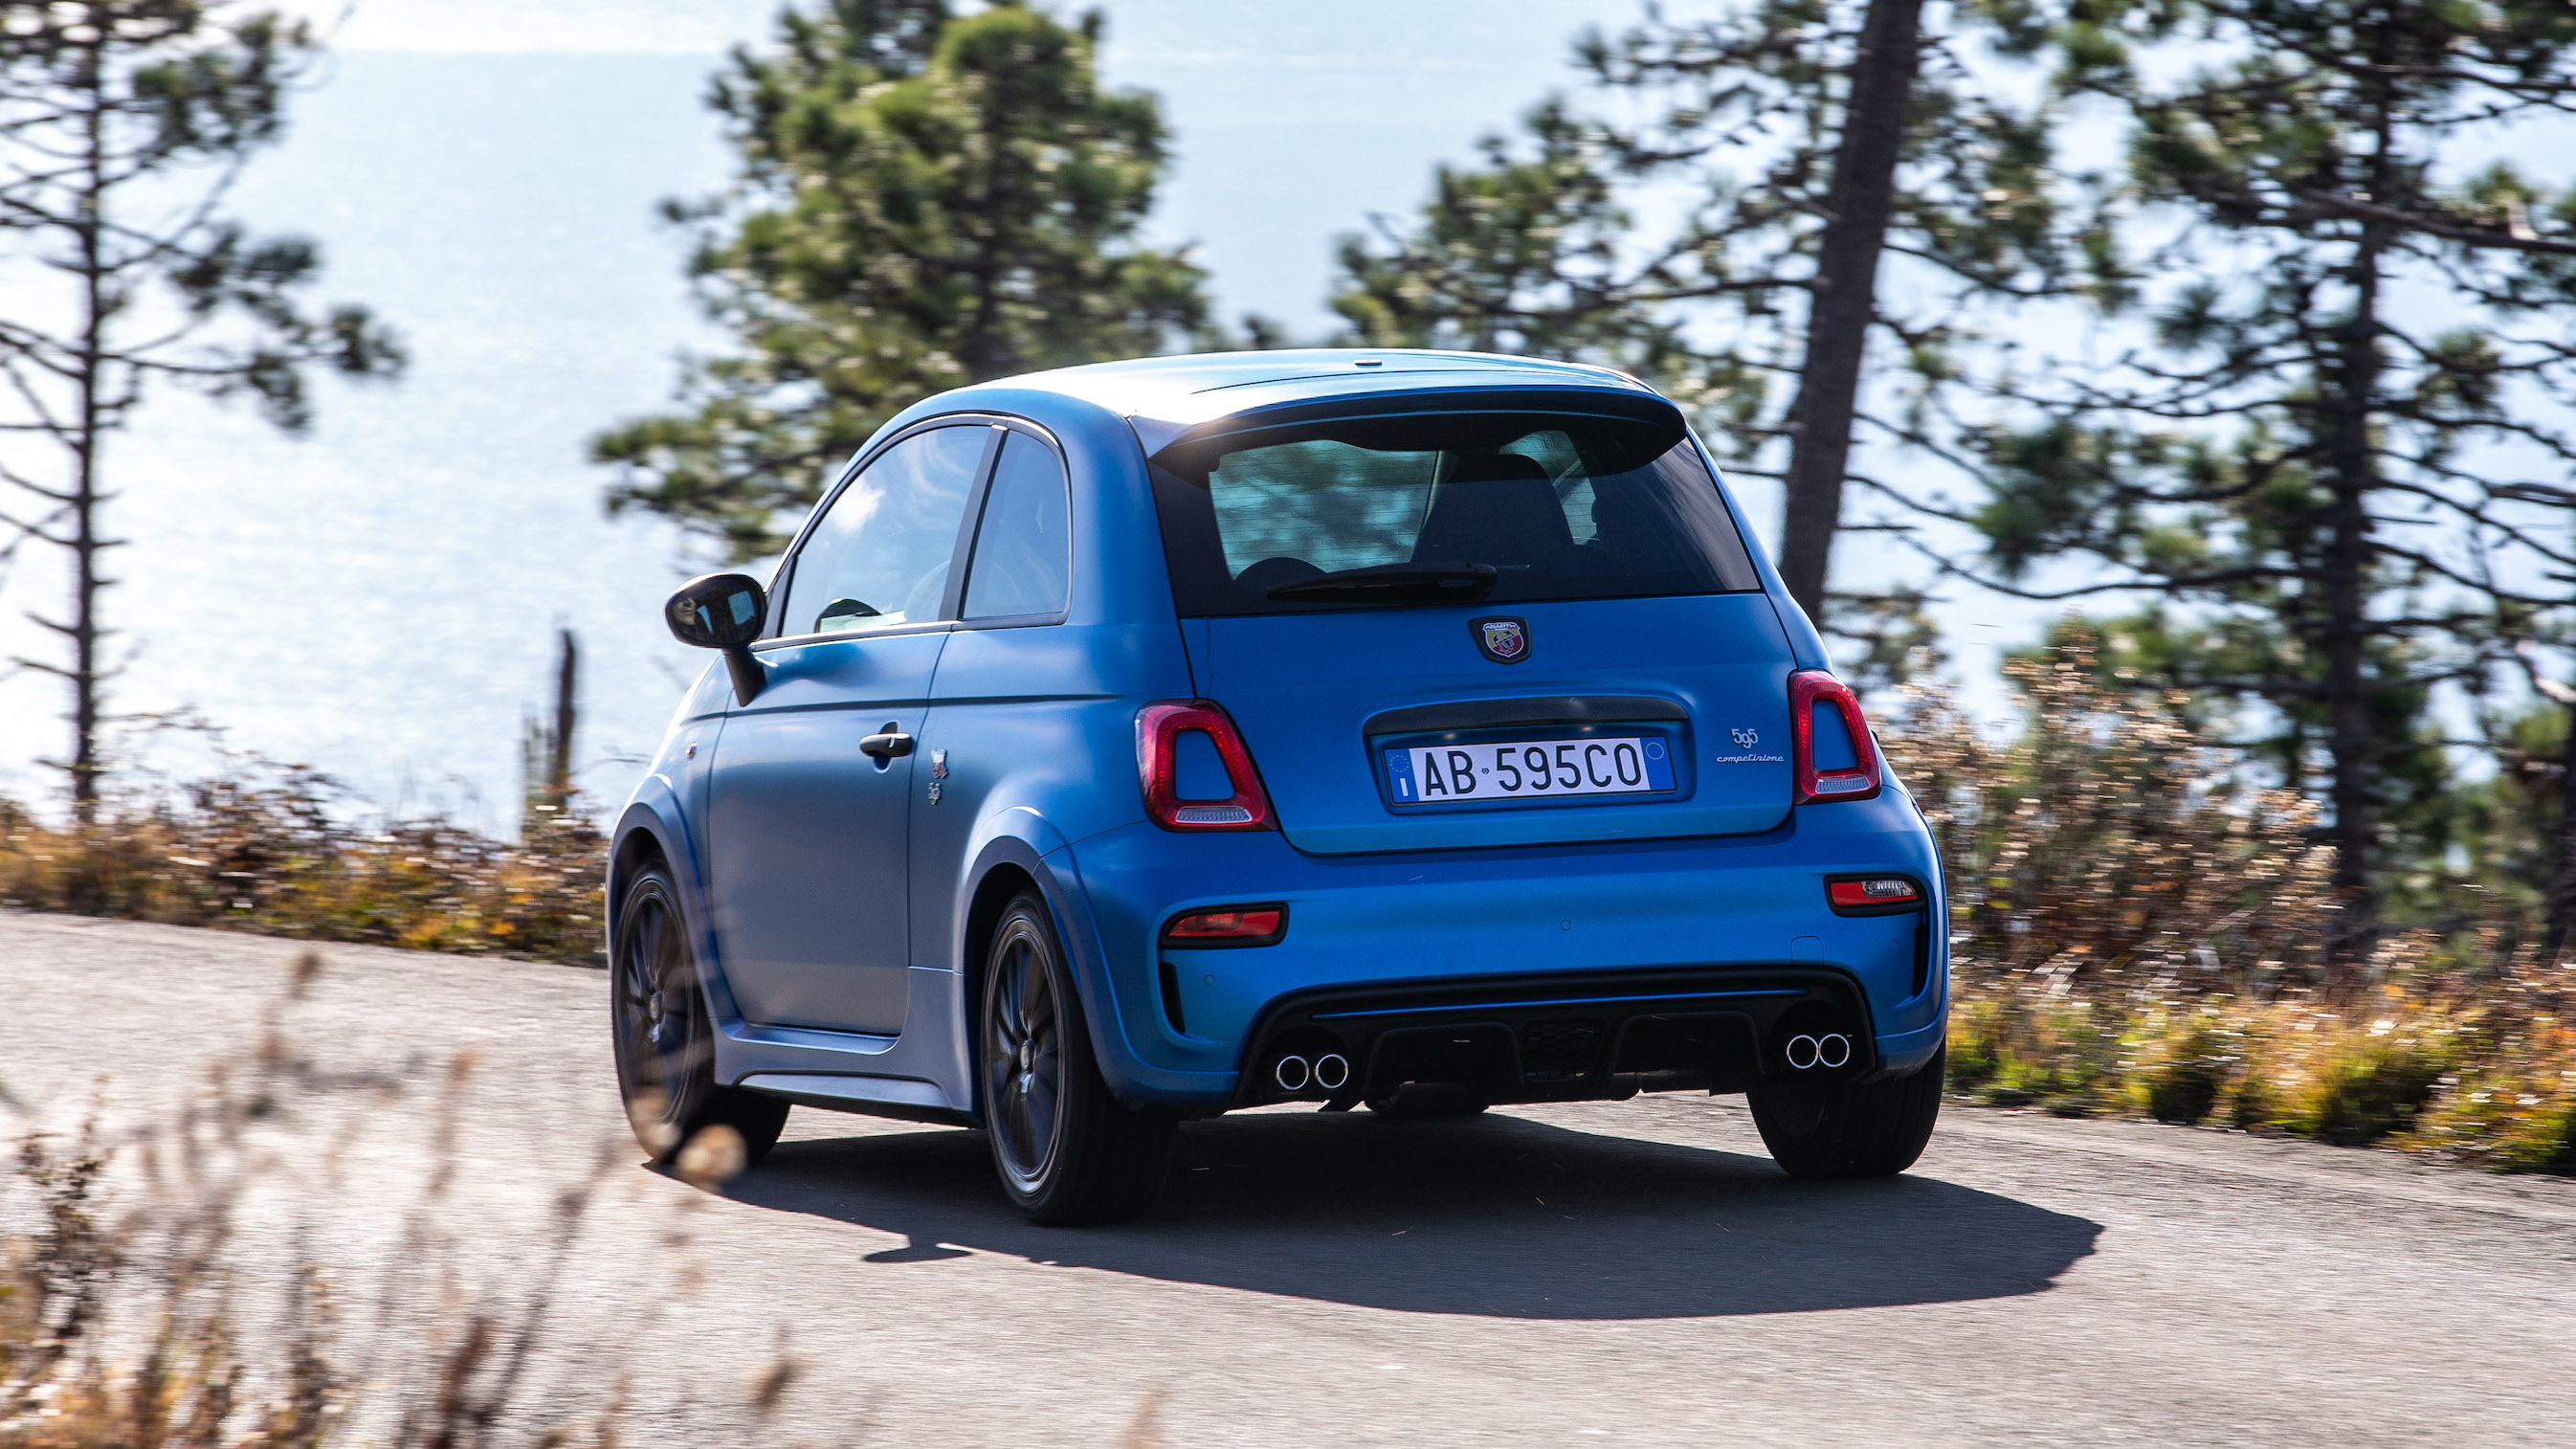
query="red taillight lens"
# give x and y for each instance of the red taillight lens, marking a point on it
(1228, 926)
(1857, 781)
(1873, 893)
(1159, 728)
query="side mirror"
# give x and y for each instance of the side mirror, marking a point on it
(722, 611)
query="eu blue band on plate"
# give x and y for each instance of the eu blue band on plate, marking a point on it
(1399, 775)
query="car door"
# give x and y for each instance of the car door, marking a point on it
(808, 839)
(1016, 710)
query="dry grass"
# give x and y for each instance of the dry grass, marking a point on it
(277, 852)
(2135, 932)
(163, 1289)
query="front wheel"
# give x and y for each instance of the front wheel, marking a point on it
(1869, 1129)
(666, 1049)
(1066, 1149)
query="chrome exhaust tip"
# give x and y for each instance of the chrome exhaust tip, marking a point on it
(1833, 1049)
(1332, 1070)
(1291, 1073)
(1803, 1051)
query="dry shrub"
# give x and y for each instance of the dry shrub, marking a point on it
(2108, 845)
(2136, 931)
(277, 852)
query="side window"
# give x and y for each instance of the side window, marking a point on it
(880, 556)
(1023, 553)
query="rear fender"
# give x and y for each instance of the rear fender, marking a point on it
(1022, 841)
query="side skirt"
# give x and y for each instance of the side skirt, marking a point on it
(918, 1076)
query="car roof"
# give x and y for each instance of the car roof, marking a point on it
(1164, 397)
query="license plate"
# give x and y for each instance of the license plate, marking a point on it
(1529, 770)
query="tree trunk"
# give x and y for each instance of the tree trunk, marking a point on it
(87, 544)
(2351, 747)
(1846, 283)
(2562, 849)
(567, 715)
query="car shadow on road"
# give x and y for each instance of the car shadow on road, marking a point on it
(1498, 1216)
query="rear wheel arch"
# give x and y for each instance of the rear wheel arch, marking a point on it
(1009, 866)
(1000, 882)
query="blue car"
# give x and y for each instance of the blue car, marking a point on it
(1132, 743)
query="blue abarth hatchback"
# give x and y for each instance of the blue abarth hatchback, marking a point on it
(1131, 743)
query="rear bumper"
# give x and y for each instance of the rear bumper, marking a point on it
(1185, 1028)
(1560, 1038)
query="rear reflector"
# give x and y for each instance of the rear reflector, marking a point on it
(1879, 890)
(1159, 728)
(1856, 780)
(1228, 926)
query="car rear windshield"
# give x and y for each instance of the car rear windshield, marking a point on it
(1440, 507)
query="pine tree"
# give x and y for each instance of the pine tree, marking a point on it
(925, 201)
(2313, 455)
(1812, 137)
(123, 124)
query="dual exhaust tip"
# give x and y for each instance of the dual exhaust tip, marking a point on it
(1293, 1073)
(1831, 1050)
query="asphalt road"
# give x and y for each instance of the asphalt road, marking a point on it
(1636, 1271)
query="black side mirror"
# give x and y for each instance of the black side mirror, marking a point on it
(722, 611)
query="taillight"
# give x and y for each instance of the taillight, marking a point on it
(1228, 926)
(1159, 728)
(1872, 895)
(1856, 780)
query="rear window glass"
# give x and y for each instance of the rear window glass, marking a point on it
(1517, 507)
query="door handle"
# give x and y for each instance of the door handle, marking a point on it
(887, 743)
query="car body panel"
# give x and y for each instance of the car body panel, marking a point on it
(1032, 726)
(1302, 686)
(805, 848)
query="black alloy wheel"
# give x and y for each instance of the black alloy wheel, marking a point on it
(1067, 1150)
(666, 1056)
(1846, 1130)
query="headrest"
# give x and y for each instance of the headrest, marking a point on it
(1500, 468)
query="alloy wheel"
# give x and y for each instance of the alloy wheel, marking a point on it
(657, 1020)
(1023, 1056)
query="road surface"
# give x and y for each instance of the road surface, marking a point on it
(1633, 1272)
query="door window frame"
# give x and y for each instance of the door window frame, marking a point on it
(772, 635)
(970, 526)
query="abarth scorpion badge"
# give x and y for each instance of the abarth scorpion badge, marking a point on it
(1504, 641)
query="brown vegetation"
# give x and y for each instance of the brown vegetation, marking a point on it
(2136, 931)
(272, 852)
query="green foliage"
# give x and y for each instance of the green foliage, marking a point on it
(2341, 318)
(1543, 246)
(925, 201)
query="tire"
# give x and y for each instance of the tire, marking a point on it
(1067, 1150)
(1872, 1129)
(666, 1049)
(1425, 1102)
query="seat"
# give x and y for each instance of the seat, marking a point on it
(1499, 508)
